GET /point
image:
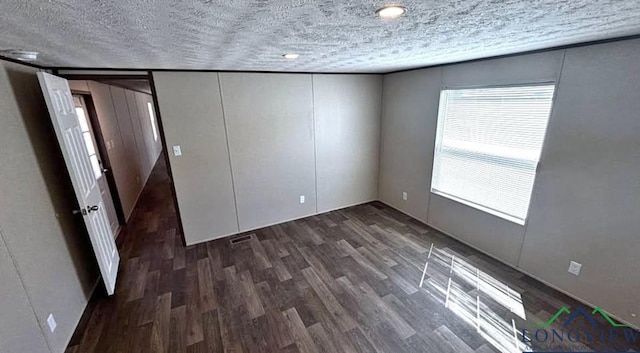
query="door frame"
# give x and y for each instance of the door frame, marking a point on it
(165, 153)
(117, 74)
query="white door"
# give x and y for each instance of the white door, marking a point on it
(92, 208)
(96, 162)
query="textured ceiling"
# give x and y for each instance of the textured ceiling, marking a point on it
(330, 36)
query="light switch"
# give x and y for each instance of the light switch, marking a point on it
(177, 151)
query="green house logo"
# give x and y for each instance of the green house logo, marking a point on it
(565, 337)
(589, 317)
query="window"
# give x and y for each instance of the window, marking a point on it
(488, 146)
(152, 118)
(88, 138)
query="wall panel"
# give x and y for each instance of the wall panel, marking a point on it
(191, 111)
(409, 118)
(145, 163)
(19, 330)
(586, 201)
(271, 142)
(347, 125)
(126, 164)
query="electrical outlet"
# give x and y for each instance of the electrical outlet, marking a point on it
(177, 151)
(404, 196)
(574, 268)
(51, 321)
(301, 198)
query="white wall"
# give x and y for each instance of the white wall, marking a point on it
(144, 163)
(278, 148)
(586, 202)
(269, 121)
(19, 330)
(125, 159)
(191, 110)
(585, 199)
(409, 114)
(46, 260)
(347, 130)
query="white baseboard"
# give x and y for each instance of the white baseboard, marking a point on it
(279, 222)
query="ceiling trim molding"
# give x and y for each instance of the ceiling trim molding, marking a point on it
(536, 51)
(56, 69)
(206, 70)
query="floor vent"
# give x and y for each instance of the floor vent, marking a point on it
(240, 239)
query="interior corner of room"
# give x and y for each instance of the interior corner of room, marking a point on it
(249, 150)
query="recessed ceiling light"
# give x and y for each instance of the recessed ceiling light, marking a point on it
(291, 56)
(23, 55)
(392, 11)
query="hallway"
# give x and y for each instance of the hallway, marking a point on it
(352, 280)
(150, 251)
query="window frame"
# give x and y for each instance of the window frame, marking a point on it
(438, 144)
(153, 121)
(80, 104)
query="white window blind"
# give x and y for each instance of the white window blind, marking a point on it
(488, 146)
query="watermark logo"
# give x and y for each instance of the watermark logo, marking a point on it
(567, 336)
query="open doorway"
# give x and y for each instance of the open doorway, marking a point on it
(99, 160)
(120, 130)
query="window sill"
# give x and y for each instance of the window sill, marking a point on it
(481, 208)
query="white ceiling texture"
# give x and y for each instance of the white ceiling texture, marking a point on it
(330, 36)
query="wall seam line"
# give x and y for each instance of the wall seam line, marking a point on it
(433, 156)
(315, 140)
(551, 114)
(24, 288)
(226, 136)
(380, 137)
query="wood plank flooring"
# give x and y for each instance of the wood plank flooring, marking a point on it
(362, 279)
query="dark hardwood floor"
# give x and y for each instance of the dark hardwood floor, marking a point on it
(344, 281)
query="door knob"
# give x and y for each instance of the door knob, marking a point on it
(92, 208)
(105, 170)
(82, 211)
